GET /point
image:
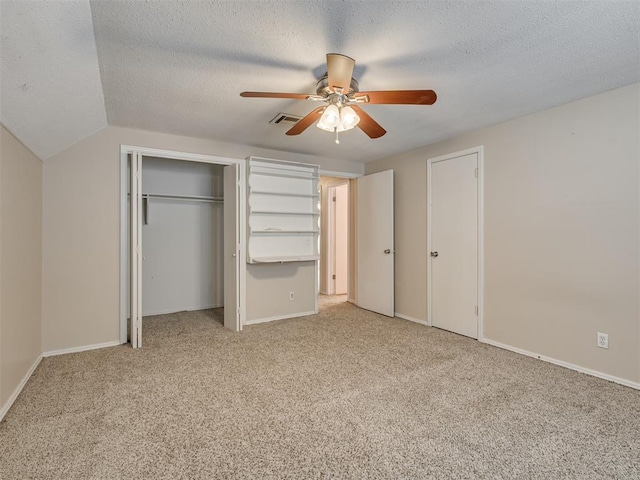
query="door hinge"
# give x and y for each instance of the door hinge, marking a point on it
(476, 309)
(333, 276)
(475, 174)
(334, 199)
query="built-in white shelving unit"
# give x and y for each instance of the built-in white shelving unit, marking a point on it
(282, 199)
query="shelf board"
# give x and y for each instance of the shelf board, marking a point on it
(283, 232)
(288, 258)
(275, 212)
(283, 175)
(283, 194)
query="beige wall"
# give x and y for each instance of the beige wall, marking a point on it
(81, 233)
(20, 262)
(562, 237)
(268, 288)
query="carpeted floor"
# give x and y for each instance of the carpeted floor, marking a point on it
(344, 394)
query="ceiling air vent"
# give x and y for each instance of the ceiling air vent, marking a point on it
(285, 119)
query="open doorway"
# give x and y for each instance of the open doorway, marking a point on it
(334, 239)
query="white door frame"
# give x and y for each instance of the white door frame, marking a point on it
(125, 150)
(430, 161)
(324, 235)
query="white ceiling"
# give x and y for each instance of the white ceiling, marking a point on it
(179, 66)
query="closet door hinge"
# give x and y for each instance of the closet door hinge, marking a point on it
(334, 199)
(476, 309)
(475, 173)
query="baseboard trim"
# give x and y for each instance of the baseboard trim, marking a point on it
(84, 348)
(7, 405)
(411, 319)
(561, 363)
(190, 309)
(278, 317)
(351, 300)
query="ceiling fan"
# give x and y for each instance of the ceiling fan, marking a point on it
(340, 96)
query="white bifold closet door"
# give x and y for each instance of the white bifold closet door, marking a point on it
(135, 254)
(231, 180)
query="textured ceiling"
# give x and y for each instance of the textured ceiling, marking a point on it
(179, 66)
(51, 94)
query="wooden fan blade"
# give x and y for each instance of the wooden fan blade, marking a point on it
(297, 96)
(306, 122)
(400, 97)
(367, 124)
(339, 71)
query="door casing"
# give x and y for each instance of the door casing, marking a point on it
(479, 151)
(125, 151)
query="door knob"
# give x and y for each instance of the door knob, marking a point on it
(387, 251)
(434, 254)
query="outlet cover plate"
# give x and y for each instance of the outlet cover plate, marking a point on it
(602, 340)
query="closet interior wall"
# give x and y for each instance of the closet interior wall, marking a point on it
(182, 237)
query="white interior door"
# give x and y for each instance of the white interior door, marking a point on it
(454, 244)
(135, 229)
(375, 263)
(340, 239)
(231, 248)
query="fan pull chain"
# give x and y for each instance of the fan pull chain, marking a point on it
(337, 139)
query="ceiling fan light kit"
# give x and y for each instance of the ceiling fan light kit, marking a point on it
(338, 119)
(340, 92)
(330, 119)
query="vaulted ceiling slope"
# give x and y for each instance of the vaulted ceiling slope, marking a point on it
(51, 95)
(179, 66)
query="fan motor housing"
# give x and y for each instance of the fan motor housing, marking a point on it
(322, 87)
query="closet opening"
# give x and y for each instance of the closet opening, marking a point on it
(182, 239)
(336, 233)
(183, 244)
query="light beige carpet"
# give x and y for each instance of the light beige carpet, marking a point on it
(344, 394)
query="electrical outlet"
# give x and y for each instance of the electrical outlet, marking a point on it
(602, 340)
(292, 296)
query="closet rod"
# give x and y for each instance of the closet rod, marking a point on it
(184, 197)
(197, 198)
